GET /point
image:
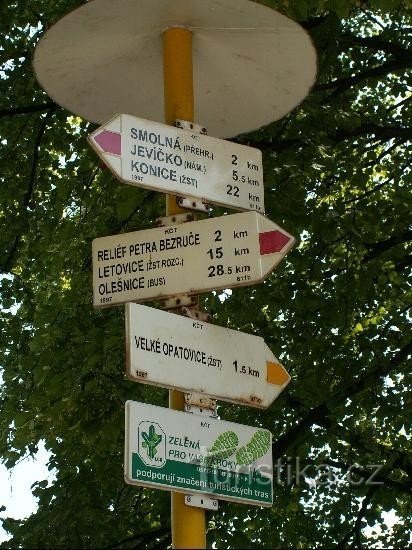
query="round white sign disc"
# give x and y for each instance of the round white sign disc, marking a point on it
(251, 64)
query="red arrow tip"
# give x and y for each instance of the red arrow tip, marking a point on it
(110, 142)
(272, 241)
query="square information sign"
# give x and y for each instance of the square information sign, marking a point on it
(179, 451)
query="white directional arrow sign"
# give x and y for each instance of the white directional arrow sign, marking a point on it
(236, 250)
(181, 162)
(173, 351)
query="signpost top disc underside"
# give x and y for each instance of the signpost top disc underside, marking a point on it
(251, 65)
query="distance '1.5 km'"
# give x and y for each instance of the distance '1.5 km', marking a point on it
(245, 370)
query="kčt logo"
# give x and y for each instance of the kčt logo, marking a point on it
(152, 444)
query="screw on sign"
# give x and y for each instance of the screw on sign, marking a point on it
(202, 501)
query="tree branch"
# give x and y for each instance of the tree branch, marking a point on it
(29, 109)
(16, 55)
(28, 196)
(357, 526)
(340, 85)
(141, 537)
(399, 104)
(365, 381)
(370, 192)
(376, 249)
(401, 61)
(384, 480)
(377, 43)
(381, 132)
(399, 458)
(320, 414)
(8, 263)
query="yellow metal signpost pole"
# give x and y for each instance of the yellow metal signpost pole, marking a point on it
(188, 523)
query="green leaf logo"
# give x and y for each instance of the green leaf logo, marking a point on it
(224, 446)
(151, 441)
(257, 447)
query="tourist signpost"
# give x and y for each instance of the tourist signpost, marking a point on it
(161, 157)
(238, 88)
(236, 250)
(174, 351)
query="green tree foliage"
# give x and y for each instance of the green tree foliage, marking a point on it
(337, 311)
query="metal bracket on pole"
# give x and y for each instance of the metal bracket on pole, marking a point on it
(202, 501)
(187, 125)
(193, 204)
(175, 220)
(198, 403)
(187, 202)
(195, 403)
(195, 314)
(174, 302)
